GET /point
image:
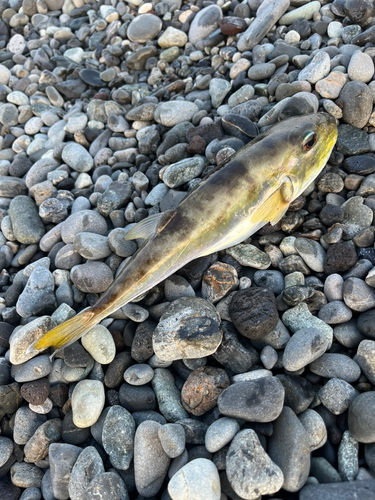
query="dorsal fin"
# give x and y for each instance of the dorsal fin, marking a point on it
(145, 228)
(275, 207)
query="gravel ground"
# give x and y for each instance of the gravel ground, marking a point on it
(113, 111)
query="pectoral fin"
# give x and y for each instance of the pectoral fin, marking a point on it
(145, 228)
(276, 205)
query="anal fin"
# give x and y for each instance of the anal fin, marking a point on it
(145, 228)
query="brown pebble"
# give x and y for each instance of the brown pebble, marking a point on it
(218, 280)
(339, 258)
(253, 312)
(36, 391)
(232, 25)
(203, 388)
(197, 146)
(103, 96)
(353, 181)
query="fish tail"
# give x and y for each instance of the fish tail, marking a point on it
(65, 334)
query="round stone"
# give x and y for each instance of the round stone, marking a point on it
(361, 418)
(197, 479)
(356, 100)
(144, 28)
(99, 342)
(253, 312)
(190, 328)
(77, 157)
(172, 439)
(139, 374)
(304, 346)
(358, 295)
(361, 67)
(333, 365)
(172, 37)
(336, 395)
(204, 23)
(220, 433)
(87, 402)
(92, 277)
(202, 389)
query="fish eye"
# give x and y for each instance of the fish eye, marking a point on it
(310, 141)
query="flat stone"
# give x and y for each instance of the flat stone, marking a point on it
(289, 448)
(259, 400)
(150, 460)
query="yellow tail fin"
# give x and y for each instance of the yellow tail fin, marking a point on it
(65, 334)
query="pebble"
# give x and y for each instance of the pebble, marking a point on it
(99, 342)
(304, 346)
(259, 400)
(317, 69)
(245, 457)
(62, 457)
(149, 468)
(311, 252)
(172, 439)
(358, 295)
(107, 485)
(251, 319)
(204, 23)
(315, 428)
(361, 67)
(220, 433)
(118, 437)
(290, 450)
(87, 402)
(88, 465)
(198, 478)
(174, 339)
(249, 255)
(168, 396)
(333, 365)
(360, 422)
(336, 395)
(211, 381)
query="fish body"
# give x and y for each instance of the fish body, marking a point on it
(255, 187)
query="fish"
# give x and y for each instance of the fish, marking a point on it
(255, 187)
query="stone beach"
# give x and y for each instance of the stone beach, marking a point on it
(248, 374)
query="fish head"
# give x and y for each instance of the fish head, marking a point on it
(311, 139)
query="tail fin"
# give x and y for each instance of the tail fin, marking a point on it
(65, 334)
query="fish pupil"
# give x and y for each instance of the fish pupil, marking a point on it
(310, 141)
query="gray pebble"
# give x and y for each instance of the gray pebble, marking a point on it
(249, 469)
(91, 246)
(348, 457)
(366, 358)
(26, 475)
(336, 395)
(323, 471)
(77, 157)
(62, 457)
(92, 277)
(220, 433)
(88, 465)
(335, 312)
(150, 460)
(87, 402)
(118, 436)
(38, 294)
(139, 374)
(197, 479)
(118, 244)
(33, 369)
(333, 287)
(168, 396)
(315, 427)
(107, 485)
(82, 221)
(311, 252)
(176, 287)
(289, 448)
(332, 365)
(26, 224)
(358, 295)
(183, 171)
(172, 439)
(26, 422)
(259, 400)
(304, 346)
